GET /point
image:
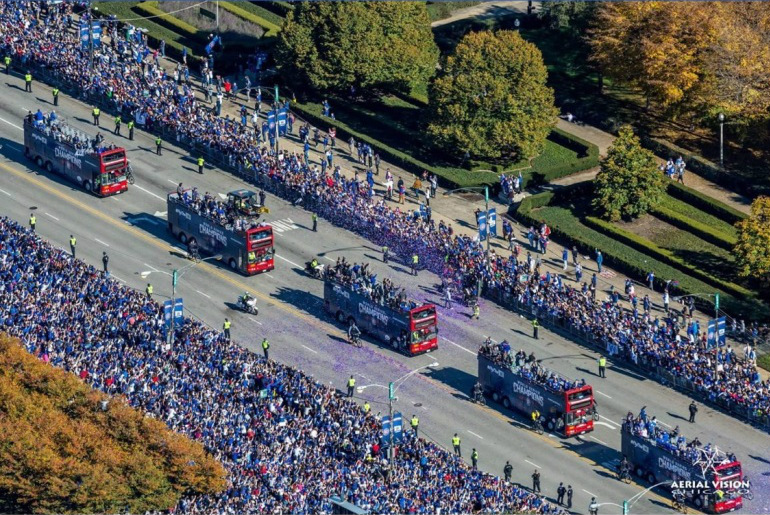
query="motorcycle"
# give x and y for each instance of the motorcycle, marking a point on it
(130, 174)
(317, 271)
(537, 426)
(249, 306)
(477, 397)
(469, 297)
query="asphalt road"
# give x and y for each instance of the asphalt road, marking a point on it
(131, 228)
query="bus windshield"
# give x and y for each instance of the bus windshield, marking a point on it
(261, 237)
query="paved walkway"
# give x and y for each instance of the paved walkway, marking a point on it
(484, 10)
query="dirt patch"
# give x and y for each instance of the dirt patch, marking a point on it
(654, 229)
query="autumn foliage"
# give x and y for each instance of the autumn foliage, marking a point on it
(752, 252)
(705, 55)
(60, 452)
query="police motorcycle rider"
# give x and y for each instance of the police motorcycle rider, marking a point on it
(477, 393)
(247, 303)
(314, 268)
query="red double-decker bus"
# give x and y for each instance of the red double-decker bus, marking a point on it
(567, 406)
(411, 329)
(66, 151)
(245, 244)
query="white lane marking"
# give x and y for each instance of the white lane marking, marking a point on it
(148, 266)
(600, 393)
(100, 241)
(534, 464)
(255, 321)
(3, 191)
(664, 424)
(460, 346)
(11, 124)
(49, 214)
(330, 259)
(119, 279)
(603, 443)
(290, 262)
(149, 192)
(476, 435)
(270, 276)
(589, 493)
(605, 424)
(169, 180)
(207, 296)
(610, 421)
(363, 376)
(311, 350)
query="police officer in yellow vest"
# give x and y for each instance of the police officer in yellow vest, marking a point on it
(28, 82)
(118, 121)
(602, 365)
(73, 244)
(266, 347)
(148, 290)
(415, 262)
(476, 311)
(131, 129)
(415, 424)
(7, 64)
(367, 408)
(32, 221)
(535, 325)
(226, 328)
(351, 386)
(252, 257)
(475, 459)
(200, 165)
(95, 113)
(55, 94)
(456, 445)
(159, 146)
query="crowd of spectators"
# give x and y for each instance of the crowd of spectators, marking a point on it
(673, 441)
(288, 442)
(139, 83)
(527, 366)
(362, 280)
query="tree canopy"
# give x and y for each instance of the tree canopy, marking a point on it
(331, 46)
(61, 453)
(490, 98)
(628, 183)
(752, 252)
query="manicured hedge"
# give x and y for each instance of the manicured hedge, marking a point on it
(664, 255)
(704, 202)
(701, 230)
(569, 231)
(281, 9)
(271, 29)
(764, 361)
(163, 18)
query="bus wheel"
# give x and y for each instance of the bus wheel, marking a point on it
(496, 396)
(340, 316)
(183, 238)
(506, 403)
(698, 501)
(39, 161)
(639, 472)
(48, 167)
(233, 264)
(651, 478)
(550, 425)
(87, 186)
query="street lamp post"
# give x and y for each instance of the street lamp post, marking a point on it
(393, 387)
(721, 117)
(175, 275)
(486, 210)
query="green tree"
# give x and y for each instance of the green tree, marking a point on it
(373, 46)
(752, 252)
(629, 182)
(569, 16)
(490, 98)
